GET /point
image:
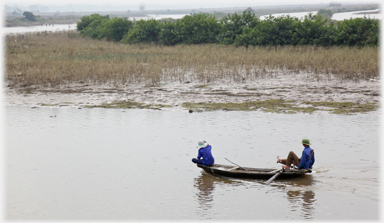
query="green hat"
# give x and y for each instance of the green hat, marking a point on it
(201, 144)
(305, 141)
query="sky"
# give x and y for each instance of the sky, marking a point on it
(189, 3)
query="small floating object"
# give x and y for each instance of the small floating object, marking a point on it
(190, 111)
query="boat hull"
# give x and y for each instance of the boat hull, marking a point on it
(251, 173)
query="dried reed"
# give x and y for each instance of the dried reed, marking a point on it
(58, 58)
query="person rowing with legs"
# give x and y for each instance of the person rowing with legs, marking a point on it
(305, 162)
(204, 156)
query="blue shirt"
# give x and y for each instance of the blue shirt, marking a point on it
(306, 161)
(206, 154)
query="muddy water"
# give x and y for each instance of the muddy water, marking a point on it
(85, 164)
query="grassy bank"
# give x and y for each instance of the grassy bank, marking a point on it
(51, 59)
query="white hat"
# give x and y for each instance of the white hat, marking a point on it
(201, 144)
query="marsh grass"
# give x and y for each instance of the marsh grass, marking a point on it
(49, 59)
(283, 106)
(128, 105)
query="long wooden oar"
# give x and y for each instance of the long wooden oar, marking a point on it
(237, 165)
(273, 177)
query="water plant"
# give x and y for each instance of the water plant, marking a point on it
(282, 106)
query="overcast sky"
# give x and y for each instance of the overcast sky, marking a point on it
(196, 3)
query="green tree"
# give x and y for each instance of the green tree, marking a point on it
(144, 31)
(29, 16)
(198, 28)
(246, 38)
(87, 20)
(357, 32)
(169, 34)
(325, 13)
(267, 33)
(115, 29)
(310, 30)
(233, 26)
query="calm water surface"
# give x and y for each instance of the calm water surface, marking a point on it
(291, 14)
(86, 164)
(336, 16)
(66, 27)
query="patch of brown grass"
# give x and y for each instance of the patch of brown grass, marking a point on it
(57, 58)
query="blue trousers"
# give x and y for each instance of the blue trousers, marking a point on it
(197, 161)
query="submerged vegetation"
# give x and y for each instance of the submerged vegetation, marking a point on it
(272, 105)
(128, 105)
(282, 106)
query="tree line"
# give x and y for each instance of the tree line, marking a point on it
(244, 29)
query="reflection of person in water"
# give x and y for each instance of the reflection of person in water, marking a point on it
(308, 198)
(205, 186)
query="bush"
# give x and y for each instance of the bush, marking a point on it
(169, 34)
(241, 30)
(357, 32)
(325, 12)
(116, 28)
(234, 25)
(144, 31)
(93, 19)
(198, 28)
(310, 30)
(29, 16)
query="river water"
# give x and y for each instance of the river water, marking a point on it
(64, 163)
(66, 27)
(337, 16)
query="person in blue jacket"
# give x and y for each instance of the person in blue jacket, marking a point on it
(305, 162)
(205, 155)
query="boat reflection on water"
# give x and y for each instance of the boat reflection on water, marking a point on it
(300, 196)
(206, 184)
(301, 199)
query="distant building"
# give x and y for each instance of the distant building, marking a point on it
(249, 10)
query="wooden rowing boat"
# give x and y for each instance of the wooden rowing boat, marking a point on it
(251, 173)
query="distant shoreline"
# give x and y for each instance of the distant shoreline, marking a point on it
(73, 17)
(375, 12)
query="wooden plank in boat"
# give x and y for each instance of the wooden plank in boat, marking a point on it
(233, 168)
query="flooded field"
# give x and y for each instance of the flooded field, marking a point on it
(65, 163)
